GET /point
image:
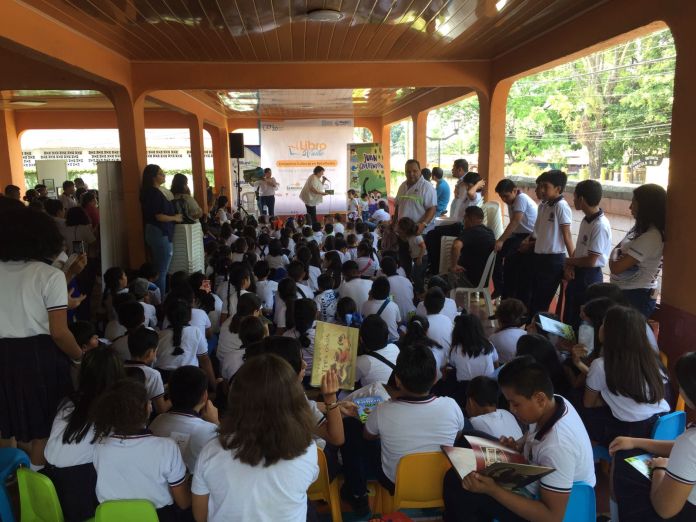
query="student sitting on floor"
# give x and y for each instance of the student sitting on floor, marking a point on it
(304, 328)
(327, 298)
(353, 286)
(510, 315)
(70, 448)
(400, 287)
(381, 304)
(297, 272)
(266, 289)
(142, 346)
(229, 352)
(472, 354)
(481, 408)
(376, 355)
(415, 421)
(132, 463)
(439, 325)
(450, 307)
(557, 439)
(131, 316)
(192, 421)
(670, 493)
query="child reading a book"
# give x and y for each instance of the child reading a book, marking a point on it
(304, 329)
(376, 355)
(670, 492)
(556, 439)
(484, 415)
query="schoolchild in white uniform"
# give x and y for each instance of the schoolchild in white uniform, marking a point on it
(380, 303)
(353, 286)
(266, 289)
(240, 281)
(114, 328)
(131, 462)
(259, 470)
(471, 355)
(556, 438)
(377, 356)
(552, 240)
(401, 288)
(304, 328)
(199, 317)
(670, 493)
(510, 315)
(70, 449)
(230, 352)
(440, 326)
(327, 298)
(368, 264)
(192, 422)
(296, 271)
(482, 396)
(182, 345)
(449, 308)
(592, 249)
(142, 345)
(415, 421)
(138, 287)
(624, 389)
(276, 258)
(467, 194)
(131, 316)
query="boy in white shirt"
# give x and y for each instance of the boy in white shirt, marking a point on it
(481, 408)
(352, 286)
(401, 287)
(552, 238)
(327, 299)
(441, 326)
(296, 271)
(139, 288)
(414, 421)
(142, 345)
(557, 438)
(591, 250)
(192, 421)
(266, 289)
(381, 304)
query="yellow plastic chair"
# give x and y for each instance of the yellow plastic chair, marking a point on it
(664, 359)
(126, 511)
(681, 405)
(37, 497)
(324, 489)
(418, 483)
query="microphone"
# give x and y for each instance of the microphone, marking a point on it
(324, 179)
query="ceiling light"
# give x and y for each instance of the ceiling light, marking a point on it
(325, 15)
(27, 103)
(500, 5)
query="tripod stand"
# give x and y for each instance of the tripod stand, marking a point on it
(238, 182)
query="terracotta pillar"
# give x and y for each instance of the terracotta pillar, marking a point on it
(491, 160)
(385, 139)
(420, 141)
(130, 115)
(221, 158)
(11, 164)
(198, 160)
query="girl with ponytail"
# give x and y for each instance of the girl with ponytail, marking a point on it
(304, 330)
(284, 308)
(229, 350)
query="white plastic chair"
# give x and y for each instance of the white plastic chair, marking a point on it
(446, 243)
(249, 203)
(493, 218)
(482, 286)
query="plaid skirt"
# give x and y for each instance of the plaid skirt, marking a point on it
(34, 378)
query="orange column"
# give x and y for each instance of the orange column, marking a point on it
(11, 164)
(420, 141)
(198, 160)
(130, 115)
(491, 162)
(221, 158)
(385, 138)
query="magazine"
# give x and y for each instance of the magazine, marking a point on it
(507, 467)
(366, 405)
(556, 328)
(336, 347)
(640, 462)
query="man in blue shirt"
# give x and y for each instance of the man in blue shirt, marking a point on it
(443, 191)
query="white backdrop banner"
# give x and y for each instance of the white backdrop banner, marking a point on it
(292, 148)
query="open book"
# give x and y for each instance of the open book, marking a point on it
(336, 347)
(366, 405)
(507, 467)
(640, 462)
(556, 328)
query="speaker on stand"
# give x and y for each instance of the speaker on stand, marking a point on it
(237, 152)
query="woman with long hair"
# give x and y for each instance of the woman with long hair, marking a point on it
(182, 194)
(636, 262)
(229, 351)
(159, 218)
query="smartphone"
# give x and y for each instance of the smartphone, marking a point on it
(78, 247)
(205, 286)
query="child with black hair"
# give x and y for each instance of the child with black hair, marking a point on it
(304, 328)
(328, 229)
(199, 317)
(417, 332)
(381, 304)
(115, 282)
(353, 285)
(440, 326)
(266, 289)
(132, 463)
(262, 243)
(239, 248)
(472, 354)
(557, 438)
(482, 395)
(149, 271)
(142, 345)
(414, 421)
(312, 272)
(352, 246)
(376, 355)
(368, 264)
(326, 299)
(317, 233)
(240, 282)
(347, 312)
(181, 344)
(341, 247)
(400, 287)
(275, 257)
(252, 329)
(592, 314)
(70, 448)
(139, 288)
(284, 307)
(85, 335)
(130, 316)
(297, 272)
(333, 265)
(511, 315)
(450, 307)
(543, 352)
(192, 422)
(229, 350)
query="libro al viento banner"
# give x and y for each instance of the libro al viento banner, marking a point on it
(292, 148)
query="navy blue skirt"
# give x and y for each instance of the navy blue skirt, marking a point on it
(34, 378)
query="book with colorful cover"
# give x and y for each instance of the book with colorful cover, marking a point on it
(557, 328)
(336, 347)
(508, 468)
(366, 405)
(640, 463)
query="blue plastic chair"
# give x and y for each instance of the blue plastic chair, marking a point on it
(582, 505)
(670, 426)
(10, 460)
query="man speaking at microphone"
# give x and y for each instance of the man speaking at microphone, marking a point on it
(313, 193)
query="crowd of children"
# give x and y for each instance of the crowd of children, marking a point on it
(211, 379)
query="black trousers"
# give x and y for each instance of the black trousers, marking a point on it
(311, 214)
(575, 293)
(603, 427)
(508, 266)
(432, 242)
(547, 272)
(267, 201)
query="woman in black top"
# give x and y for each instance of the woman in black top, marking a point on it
(159, 219)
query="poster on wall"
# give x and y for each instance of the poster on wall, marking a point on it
(366, 174)
(292, 148)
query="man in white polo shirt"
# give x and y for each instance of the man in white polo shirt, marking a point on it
(267, 187)
(416, 199)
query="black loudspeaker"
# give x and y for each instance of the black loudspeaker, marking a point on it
(236, 145)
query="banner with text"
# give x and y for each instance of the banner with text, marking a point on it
(292, 148)
(367, 170)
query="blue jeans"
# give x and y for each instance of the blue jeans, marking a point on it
(161, 248)
(641, 299)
